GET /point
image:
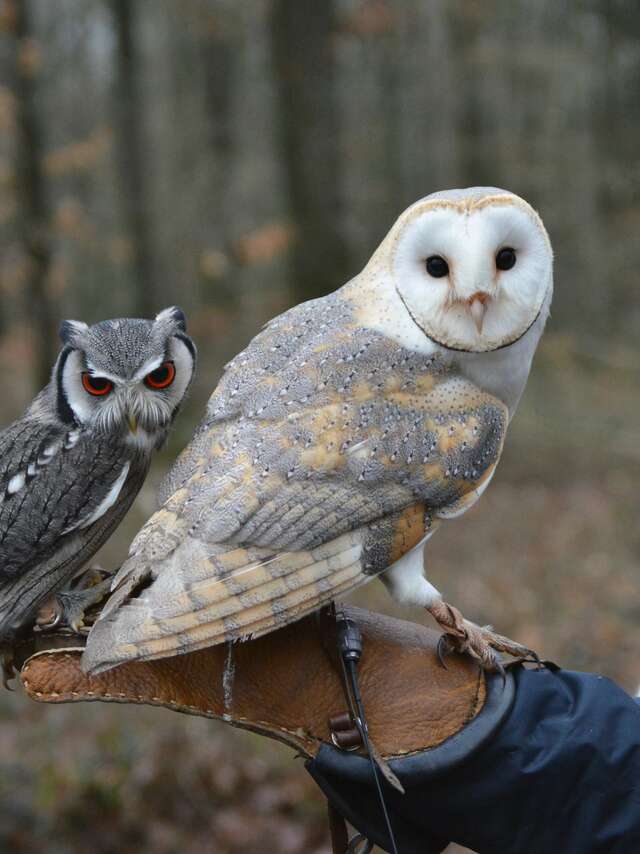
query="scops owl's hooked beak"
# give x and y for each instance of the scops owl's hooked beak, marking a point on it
(133, 423)
(478, 304)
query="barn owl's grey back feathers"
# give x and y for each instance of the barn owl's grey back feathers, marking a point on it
(289, 368)
(71, 466)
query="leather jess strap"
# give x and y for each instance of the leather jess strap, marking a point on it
(284, 685)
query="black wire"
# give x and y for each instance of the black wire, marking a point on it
(353, 672)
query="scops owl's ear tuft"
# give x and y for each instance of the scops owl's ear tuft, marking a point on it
(173, 316)
(71, 332)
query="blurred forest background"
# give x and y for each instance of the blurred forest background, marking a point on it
(239, 157)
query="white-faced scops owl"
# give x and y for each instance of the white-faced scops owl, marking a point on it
(73, 463)
(339, 439)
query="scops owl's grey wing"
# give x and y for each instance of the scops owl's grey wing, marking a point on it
(61, 493)
(326, 451)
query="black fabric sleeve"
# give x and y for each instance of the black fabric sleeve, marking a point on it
(560, 772)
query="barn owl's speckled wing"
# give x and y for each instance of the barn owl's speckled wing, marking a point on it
(326, 453)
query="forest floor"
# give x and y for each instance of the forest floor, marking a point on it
(549, 556)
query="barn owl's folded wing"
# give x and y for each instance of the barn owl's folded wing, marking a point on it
(278, 517)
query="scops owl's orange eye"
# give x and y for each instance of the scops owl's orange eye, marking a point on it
(98, 386)
(162, 377)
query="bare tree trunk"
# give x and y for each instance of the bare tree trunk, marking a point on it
(34, 216)
(130, 155)
(219, 55)
(474, 168)
(302, 33)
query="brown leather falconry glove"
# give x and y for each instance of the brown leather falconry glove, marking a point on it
(534, 761)
(288, 685)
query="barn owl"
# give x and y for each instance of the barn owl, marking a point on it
(338, 441)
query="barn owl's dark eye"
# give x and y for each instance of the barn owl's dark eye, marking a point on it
(506, 258)
(437, 267)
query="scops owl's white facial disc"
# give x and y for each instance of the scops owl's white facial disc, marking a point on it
(472, 267)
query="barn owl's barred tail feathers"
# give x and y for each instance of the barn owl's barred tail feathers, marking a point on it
(260, 592)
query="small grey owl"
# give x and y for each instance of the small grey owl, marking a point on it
(71, 466)
(347, 431)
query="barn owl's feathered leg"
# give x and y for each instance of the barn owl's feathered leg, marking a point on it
(407, 584)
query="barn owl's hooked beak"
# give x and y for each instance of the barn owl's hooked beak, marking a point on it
(478, 304)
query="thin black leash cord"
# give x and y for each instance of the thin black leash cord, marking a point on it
(350, 644)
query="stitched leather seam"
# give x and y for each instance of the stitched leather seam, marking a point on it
(141, 699)
(251, 724)
(308, 738)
